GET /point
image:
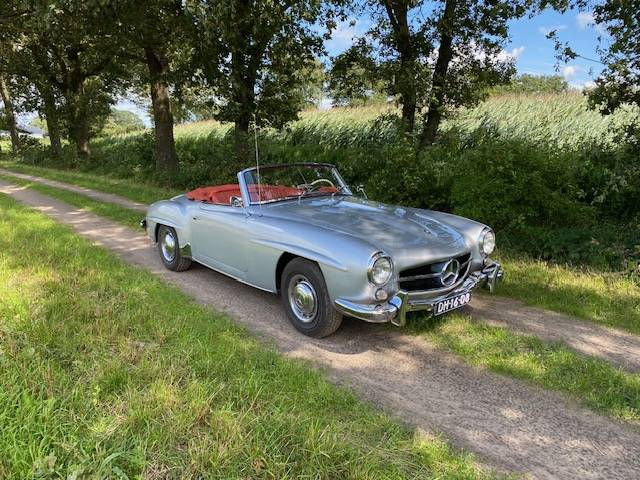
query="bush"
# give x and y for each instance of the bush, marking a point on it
(556, 182)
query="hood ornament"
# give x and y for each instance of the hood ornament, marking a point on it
(450, 272)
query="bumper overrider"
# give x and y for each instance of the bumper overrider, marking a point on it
(396, 308)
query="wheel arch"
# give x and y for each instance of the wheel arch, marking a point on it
(283, 261)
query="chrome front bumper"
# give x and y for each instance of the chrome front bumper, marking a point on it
(395, 310)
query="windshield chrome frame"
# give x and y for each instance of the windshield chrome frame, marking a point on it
(244, 188)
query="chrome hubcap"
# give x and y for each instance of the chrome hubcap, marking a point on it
(303, 298)
(168, 246)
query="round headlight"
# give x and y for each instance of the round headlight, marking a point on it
(380, 269)
(488, 242)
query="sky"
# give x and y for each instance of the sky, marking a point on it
(533, 53)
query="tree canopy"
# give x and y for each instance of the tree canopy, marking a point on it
(262, 61)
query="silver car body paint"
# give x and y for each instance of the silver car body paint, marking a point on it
(339, 232)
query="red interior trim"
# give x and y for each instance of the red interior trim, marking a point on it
(221, 194)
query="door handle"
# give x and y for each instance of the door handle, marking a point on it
(196, 218)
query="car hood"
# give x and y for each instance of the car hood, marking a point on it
(395, 230)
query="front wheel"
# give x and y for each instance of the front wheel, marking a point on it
(306, 299)
(169, 250)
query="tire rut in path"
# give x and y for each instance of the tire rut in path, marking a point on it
(507, 424)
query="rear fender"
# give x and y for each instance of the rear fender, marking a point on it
(172, 214)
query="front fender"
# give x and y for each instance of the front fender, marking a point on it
(343, 259)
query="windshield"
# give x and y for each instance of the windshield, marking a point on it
(275, 183)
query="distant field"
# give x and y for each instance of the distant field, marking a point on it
(561, 119)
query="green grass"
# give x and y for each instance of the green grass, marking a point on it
(591, 381)
(607, 298)
(107, 372)
(130, 218)
(133, 190)
(561, 120)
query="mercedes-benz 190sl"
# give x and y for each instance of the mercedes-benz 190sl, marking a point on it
(299, 230)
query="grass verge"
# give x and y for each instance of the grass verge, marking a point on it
(128, 189)
(120, 214)
(108, 372)
(607, 298)
(592, 381)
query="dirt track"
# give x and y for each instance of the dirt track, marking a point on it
(507, 424)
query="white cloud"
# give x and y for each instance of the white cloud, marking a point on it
(582, 86)
(585, 20)
(345, 35)
(506, 55)
(569, 71)
(546, 30)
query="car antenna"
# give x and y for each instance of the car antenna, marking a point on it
(255, 138)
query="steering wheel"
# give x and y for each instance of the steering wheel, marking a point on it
(315, 183)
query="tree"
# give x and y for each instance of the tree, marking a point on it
(251, 53)
(312, 83)
(30, 76)
(9, 112)
(160, 33)
(71, 45)
(441, 54)
(619, 82)
(355, 77)
(122, 121)
(527, 83)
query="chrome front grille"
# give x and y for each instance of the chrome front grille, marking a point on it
(429, 276)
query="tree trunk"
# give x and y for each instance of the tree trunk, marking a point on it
(53, 127)
(406, 81)
(243, 78)
(445, 54)
(78, 116)
(11, 117)
(165, 149)
(80, 134)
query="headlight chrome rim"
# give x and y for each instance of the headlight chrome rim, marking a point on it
(376, 257)
(487, 248)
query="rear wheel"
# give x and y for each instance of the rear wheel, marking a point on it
(306, 299)
(169, 250)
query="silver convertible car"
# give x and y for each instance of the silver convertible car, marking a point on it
(299, 230)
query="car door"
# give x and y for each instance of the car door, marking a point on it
(219, 238)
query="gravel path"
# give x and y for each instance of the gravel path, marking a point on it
(615, 346)
(96, 195)
(507, 424)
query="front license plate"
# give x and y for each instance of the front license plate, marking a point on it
(451, 303)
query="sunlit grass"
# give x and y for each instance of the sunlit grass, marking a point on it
(133, 190)
(561, 120)
(607, 298)
(591, 381)
(130, 218)
(107, 372)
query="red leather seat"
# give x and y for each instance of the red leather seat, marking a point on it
(221, 194)
(218, 194)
